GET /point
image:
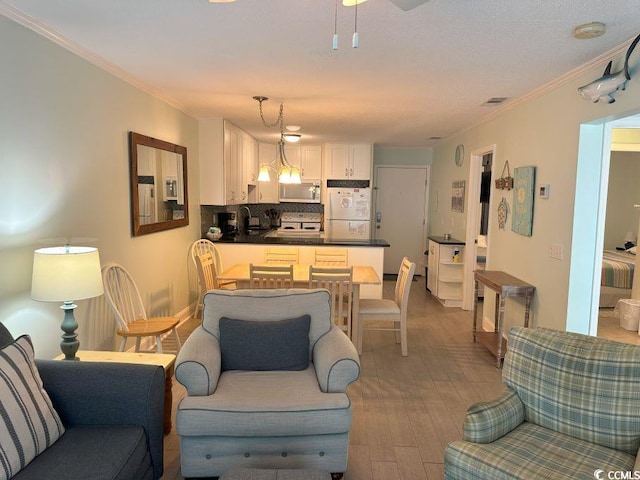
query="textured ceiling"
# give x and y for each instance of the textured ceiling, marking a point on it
(417, 74)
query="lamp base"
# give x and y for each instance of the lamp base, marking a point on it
(70, 343)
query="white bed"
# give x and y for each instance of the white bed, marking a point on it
(617, 277)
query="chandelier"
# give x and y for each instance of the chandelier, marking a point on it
(286, 172)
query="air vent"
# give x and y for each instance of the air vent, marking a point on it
(435, 138)
(494, 101)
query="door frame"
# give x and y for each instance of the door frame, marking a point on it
(425, 222)
(473, 214)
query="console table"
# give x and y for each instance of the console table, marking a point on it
(504, 285)
(164, 360)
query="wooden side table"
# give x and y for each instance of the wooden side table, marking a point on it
(164, 360)
(505, 286)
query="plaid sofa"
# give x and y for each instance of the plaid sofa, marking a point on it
(571, 409)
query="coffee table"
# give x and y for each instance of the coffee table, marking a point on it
(164, 360)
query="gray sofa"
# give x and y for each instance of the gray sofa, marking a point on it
(261, 418)
(113, 419)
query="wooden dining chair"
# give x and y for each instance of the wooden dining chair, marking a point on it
(331, 257)
(208, 276)
(270, 276)
(281, 256)
(389, 310)
(339, 282)
(201, 247)
(123, 297)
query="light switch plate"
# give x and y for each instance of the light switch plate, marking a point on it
(544, 190)
(556, 251)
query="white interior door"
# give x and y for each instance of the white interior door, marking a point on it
(400, 213)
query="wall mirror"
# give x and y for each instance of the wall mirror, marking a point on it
(159, 194)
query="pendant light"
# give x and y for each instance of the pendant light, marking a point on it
(286, 172)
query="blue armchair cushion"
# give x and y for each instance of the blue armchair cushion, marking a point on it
(28, 422)
(265, 345)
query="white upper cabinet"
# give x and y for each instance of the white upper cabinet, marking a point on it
(349, 161)
(310, 162)
(228, 163)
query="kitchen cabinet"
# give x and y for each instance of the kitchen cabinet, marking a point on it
(348, 161)
(227, 163)
(267, 191)
(307, 158)
(445, 275)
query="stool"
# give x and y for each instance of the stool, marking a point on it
(275, 474)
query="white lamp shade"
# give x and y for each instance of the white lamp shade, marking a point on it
(63, 274)
(263, 174)
(629, 237)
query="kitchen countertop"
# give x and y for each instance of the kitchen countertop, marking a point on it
(258, 237)
(447, 241)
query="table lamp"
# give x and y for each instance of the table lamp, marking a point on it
(65, 274)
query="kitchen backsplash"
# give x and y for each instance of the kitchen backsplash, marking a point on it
(257, 210)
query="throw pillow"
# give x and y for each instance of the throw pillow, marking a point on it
(268, 345)
(28, 422)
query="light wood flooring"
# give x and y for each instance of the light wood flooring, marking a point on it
(406, 410)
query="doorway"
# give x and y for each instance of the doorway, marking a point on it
(479, 210)
(594, 154)
(401, 194)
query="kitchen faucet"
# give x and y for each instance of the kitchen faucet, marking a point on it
(247, 208)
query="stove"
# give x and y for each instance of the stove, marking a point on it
(300, 223)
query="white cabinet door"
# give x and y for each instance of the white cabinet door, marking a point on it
(212, 178)
(360, 162)
(231, 144)
(349, 161)
(432, 272)
(310, 162)
(267, 191)
(250, 160)
(292, 152)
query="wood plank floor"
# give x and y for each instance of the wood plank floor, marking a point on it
(406, 410)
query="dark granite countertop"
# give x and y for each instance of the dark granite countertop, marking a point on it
(258, 237)
(448, 241)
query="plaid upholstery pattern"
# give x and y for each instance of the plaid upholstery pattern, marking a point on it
(578, 385)
(488, 421)
(532, 452)
(572, 406)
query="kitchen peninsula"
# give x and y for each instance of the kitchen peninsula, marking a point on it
(250, 247)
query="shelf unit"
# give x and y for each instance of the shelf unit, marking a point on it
(445, 276)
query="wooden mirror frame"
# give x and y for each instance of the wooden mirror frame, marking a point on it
(138, 228)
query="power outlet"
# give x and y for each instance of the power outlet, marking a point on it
(555, 251)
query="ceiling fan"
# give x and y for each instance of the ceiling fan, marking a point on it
(407, 5)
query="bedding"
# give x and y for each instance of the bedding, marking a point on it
(617, 269)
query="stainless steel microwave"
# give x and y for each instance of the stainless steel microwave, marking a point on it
(300, 192)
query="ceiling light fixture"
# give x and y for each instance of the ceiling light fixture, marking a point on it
(221, 1)
(589, 30)
(355, 42)
(286, 172)
(292, 137)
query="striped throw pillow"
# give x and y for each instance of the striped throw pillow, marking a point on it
(28, 422)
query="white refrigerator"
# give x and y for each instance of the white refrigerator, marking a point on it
(349, 213)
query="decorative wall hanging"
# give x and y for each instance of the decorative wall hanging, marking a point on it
(457, 196)
(503, 213)
(522, 219)
(604, 87)
(505, 182)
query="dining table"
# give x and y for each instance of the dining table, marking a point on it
(362, 275)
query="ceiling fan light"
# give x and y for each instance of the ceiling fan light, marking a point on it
(292, 137)
(351, 3)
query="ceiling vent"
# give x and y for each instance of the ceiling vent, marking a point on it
(494, 101)
(435, 138)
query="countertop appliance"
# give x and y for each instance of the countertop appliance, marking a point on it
(228, 223)
(300, 192)
(348, 213)
(298, 224)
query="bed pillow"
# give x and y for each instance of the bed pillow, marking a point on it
(268, 345)
(28, 421)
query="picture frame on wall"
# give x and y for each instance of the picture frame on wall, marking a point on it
(523, 194)
(457, 196)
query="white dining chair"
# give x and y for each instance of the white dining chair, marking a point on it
(331, 257)
(281, 256)
(201, 247)
(339, 282)
(123, 297)
(389, 310)
(270, 276)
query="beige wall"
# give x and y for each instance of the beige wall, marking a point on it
(543, 132)
(63, 151)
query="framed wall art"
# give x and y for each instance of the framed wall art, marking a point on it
(457, 196)
(523, 186)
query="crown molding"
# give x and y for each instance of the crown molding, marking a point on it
(31, 23)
